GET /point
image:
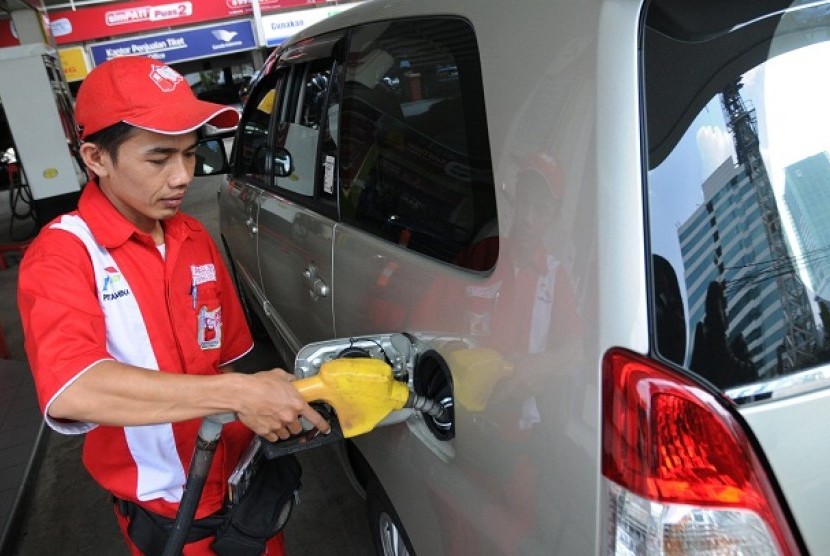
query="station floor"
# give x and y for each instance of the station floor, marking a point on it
(48, 503)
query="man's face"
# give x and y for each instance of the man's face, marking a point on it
(534, 218)
(148, 180)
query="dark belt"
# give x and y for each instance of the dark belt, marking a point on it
(149, 531)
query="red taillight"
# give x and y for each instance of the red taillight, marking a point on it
(674, 447)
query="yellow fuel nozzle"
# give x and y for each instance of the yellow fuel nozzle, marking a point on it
(362, 392)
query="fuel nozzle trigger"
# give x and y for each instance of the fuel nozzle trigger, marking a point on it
(307, 439)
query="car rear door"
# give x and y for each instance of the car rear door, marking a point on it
(239, 199)
(739, 167)
(298, 212)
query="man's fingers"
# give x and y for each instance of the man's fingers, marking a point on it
(285, 374)
(317, 420)
(296, 427)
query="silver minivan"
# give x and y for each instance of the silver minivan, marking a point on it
(596, 231)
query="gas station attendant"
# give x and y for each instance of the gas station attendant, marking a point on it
(130, 317)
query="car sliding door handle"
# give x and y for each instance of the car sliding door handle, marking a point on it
(316, 286)
(252, 227)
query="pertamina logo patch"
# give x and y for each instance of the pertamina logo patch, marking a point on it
(114, 285)
(166, 78)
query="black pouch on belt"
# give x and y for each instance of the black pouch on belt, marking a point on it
(263, 510)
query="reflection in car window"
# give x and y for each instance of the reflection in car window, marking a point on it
(251, 148)
(738, 193)
(316, 86)
(414, 154)
(300, 133)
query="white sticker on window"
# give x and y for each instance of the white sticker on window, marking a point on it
(328, 175)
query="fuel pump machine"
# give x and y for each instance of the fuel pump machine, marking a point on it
(38, 106)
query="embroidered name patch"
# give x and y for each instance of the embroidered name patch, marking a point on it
(203, 273)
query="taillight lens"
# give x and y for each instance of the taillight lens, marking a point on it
(682, 477)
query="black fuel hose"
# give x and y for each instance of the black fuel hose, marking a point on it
(199, 467)
(206, 443)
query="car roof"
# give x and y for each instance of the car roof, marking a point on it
(677, 22)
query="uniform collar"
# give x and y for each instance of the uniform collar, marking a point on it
(536, 262)
(111, 228)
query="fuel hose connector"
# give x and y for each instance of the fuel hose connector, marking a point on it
(425, 405)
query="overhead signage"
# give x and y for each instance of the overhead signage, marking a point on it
(178, 46)
(278, 27)
(73, 61)
(126, 18)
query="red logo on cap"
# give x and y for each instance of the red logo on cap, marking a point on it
(165, 77)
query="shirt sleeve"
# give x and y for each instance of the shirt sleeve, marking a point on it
(63, 326)
(237, 341)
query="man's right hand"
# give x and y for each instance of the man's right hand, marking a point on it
(271, 406)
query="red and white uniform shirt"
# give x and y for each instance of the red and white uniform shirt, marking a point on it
(93, 288)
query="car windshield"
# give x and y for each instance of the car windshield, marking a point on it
(738, 193)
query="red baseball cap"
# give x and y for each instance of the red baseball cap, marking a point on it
(144, 93)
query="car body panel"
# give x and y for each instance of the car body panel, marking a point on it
(796, 441)
(564, 108)
(504, 476)
(295, 241)
(239, 205)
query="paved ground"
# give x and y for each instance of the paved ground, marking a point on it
(65, 513)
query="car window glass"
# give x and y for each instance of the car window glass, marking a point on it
(738, 195)
(415, 164)
(329, 136)
(299, 130)
(251, 150)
